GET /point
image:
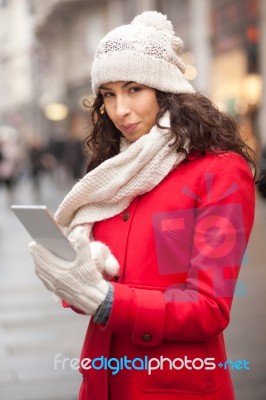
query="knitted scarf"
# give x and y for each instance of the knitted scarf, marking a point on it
(110, 188)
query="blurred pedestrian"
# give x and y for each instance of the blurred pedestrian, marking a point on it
(37, 155)
(10, 162)
(55, 155)
(74, 158)
(165, 213)
(262, 180)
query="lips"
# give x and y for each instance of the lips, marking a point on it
(129, 127)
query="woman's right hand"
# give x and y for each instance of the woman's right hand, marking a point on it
(105, 261)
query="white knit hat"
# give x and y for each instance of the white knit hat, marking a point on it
(145, 51)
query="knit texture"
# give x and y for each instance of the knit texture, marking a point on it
(79, 282)
(145, 51)
(110, 188)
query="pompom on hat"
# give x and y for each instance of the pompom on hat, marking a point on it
(145, 51)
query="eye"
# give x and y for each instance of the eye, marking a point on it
(135, 89)
(107, 94)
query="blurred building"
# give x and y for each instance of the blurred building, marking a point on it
(56, 41)
(235, 39)
(15, 62)
(48, 46)
(236, 81)
(262, 64)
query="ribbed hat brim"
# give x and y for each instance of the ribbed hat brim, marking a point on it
(145, 69)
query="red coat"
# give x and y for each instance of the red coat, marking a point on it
(180, 247)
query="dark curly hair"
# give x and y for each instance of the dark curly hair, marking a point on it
(192, 116)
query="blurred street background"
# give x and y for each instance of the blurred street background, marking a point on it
(33, 326)
(46, 51)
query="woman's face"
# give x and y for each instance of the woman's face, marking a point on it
(132, 107)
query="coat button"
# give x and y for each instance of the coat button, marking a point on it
(147, 337)
(126, 216)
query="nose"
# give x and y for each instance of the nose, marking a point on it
(122, 106)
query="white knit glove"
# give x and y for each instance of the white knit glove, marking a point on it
(79, 282)
(105, 261)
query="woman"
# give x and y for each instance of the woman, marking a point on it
(168, 206)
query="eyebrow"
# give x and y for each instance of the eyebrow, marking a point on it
(123, 86)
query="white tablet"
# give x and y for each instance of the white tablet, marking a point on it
(43, 228)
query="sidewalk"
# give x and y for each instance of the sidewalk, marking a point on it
(33, 328)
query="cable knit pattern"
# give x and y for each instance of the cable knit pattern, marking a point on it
(110, 188)
(79, 282)
(145, 51)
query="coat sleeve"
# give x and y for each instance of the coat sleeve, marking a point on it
(199, 308)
